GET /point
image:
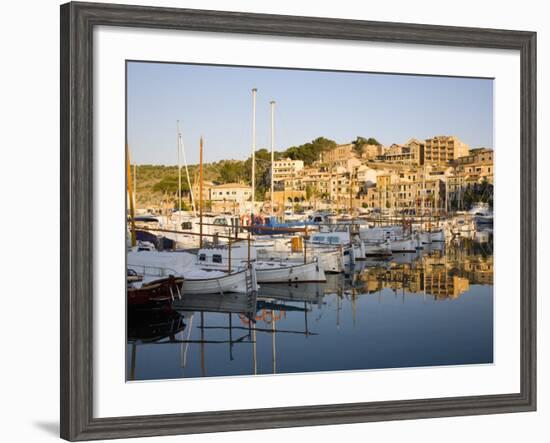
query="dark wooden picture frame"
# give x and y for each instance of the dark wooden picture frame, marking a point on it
(77, 218)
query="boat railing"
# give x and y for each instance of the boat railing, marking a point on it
(152, 271)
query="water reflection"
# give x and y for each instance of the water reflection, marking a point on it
(382, 314)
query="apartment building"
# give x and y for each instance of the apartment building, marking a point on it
(235, 192)
(286, 169)
(406, 190)
(443, 149)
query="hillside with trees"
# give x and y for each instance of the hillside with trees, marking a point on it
(159, 183)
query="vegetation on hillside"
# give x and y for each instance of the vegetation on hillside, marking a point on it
(158, 185)
(359, 142)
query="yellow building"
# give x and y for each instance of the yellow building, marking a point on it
(285, 198)
(371, 152)
(411, 153)
(206, 191)
(406, 190)
(341, 156)
(444, 149)
(478, 155)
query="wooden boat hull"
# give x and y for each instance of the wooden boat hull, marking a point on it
(156, 293)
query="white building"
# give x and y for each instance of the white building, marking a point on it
(231, 192)
(286, 169)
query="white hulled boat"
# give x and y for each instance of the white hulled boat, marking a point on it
(267, 271)
(399, 241)
(153, 265)
(331, 259)
(339, 236)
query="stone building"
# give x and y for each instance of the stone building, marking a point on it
(371, 152)
(341, 156)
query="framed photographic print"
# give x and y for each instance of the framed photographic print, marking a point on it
(339, 213)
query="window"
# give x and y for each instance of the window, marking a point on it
(216, 258)
(202, 257)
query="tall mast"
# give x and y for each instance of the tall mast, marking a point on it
(135, 185)
(254, 91)
(179, 171)
(272, 149)
(200, 195)
(186, 170)
(130, 197)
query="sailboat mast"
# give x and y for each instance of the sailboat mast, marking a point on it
(182, 146)
(179, 170)
(272, 150)
(135, 185)
(254, 91)
(130, 198)
(200, 194)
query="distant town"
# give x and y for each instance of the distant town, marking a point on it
(441, 174)
(334, 254)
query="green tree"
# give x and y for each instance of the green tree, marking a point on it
(169, 184)
(232, 172)
(359, 142)
(310, 152)
(263, 171)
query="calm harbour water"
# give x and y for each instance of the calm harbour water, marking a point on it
(431, 308)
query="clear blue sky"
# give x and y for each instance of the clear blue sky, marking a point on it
(216, 102)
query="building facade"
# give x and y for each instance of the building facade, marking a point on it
(340, 156)
(231, 192)
(371, 152)
(406, 190)
(443, 149)
(286, 169)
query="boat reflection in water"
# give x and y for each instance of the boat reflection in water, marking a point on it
(433, 307)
